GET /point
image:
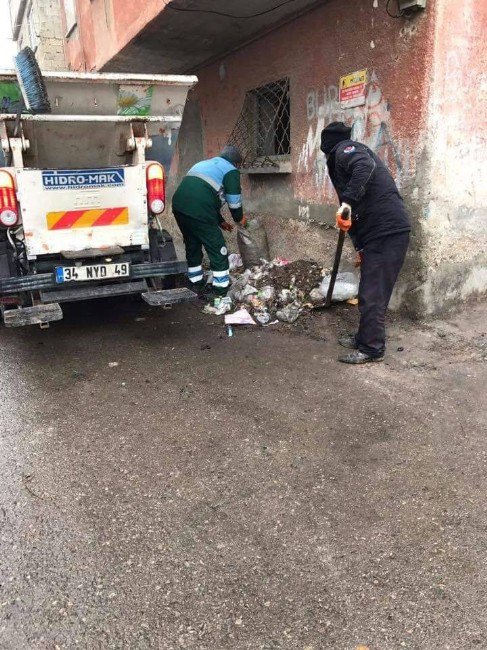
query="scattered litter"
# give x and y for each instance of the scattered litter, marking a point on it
(255, 302)
(240, 317)
(289, 314)
(113, 364)
(285, 296)
(241, 288)
(229, 331)
(252, 243)
(281, 261)
(267, 293)
(352, 301)
(248, 291)
(316, 296)
(140, 319)
(235, 261)
(280, 290)
(401, 349)
(262, 316)
(220, 306)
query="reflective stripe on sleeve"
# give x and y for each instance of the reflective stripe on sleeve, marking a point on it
(234, 201)
(216, 186)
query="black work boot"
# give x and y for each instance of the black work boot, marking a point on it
(348, 341)
(357, 357)
(200, 288)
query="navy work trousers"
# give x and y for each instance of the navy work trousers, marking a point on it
(382, 260)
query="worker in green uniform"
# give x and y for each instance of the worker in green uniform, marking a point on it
(197, 207)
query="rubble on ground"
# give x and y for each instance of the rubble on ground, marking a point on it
(280, 289)
(283, 290)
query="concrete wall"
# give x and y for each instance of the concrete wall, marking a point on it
(41, 25)
(455, 203)
(104, 27)
(314, 51)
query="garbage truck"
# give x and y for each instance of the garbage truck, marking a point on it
(82, 200)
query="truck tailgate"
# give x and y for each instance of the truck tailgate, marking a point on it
(74, 210)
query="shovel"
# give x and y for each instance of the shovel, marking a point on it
(338, 256)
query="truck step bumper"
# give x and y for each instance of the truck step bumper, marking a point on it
(36, 315)
(168, 297)
(47, 281)
(88, 293)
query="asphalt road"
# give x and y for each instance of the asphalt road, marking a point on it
(165, 486)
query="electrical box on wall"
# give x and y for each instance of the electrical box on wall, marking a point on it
(411, 5)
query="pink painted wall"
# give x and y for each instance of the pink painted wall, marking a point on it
(314, 51)
(455, 206)
(105, 27)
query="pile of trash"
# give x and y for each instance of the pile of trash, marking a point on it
(276, 289)
(265, 292)
(279, 291)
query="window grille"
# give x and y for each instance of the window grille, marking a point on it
(263, 129)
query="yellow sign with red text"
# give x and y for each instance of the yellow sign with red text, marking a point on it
(352, 89)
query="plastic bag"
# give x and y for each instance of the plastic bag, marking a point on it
(289, 314)
(252, 243)
(346, 287)
(262, 316)
(241, 289)
(240, 317)
(267, 293)
(234, 261)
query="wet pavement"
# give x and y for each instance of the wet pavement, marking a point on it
(165, 486)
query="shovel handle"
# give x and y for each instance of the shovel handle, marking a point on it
(338, 255)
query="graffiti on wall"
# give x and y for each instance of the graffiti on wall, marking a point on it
(371, 124)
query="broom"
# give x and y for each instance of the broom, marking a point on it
(31, 82)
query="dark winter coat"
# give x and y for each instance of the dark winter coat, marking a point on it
(363, 181)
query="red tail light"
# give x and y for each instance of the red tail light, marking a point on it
(156, 188)
(9, 210)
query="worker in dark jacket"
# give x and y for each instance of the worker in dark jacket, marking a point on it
(379, 228)
(197, 204)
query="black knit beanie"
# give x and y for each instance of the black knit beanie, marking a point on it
(333, 134)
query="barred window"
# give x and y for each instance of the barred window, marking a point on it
(263, 129)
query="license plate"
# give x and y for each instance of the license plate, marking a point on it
(87, 273)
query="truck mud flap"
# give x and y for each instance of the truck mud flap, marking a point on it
(74, 294)
(169, 297)
(36, 315)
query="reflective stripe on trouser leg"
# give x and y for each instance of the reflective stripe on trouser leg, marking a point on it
(195, 273)
(221, 279)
